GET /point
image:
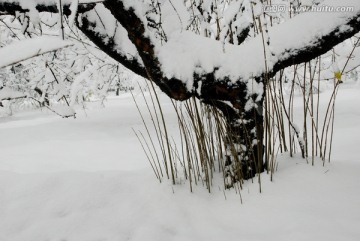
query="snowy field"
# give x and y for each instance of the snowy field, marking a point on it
(87, 179)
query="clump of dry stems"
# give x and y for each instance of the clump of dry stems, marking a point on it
(201, 150)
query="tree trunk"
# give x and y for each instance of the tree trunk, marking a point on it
(244, 138)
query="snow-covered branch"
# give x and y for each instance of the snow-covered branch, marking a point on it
(30, 48)
(109, 35)
(215, 70)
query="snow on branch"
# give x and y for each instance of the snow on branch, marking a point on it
(132, 16)
(29, 48)
(109, 35)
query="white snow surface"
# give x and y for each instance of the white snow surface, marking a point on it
(86, 179)
(25, 49)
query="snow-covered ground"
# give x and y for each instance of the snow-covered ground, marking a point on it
(87, 179)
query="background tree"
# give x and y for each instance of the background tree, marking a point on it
(54, 78)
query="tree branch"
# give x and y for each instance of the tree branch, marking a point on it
(135, 27)
(107, 43)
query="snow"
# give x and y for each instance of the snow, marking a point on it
(8, 93)
(29, 48)
(73, 8)
(87, 179)
(63, 110)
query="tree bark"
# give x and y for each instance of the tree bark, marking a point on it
(245, 131)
